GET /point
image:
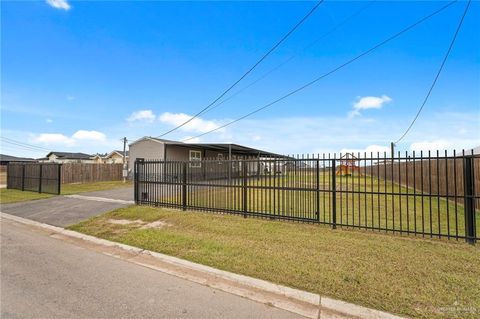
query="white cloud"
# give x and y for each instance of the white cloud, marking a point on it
(143, 116)
(368, 102)
(369, 149)
(432, 145)
(79, 138)
(189, 139)
(89, 135)
(59, 4)
(54, 139)
(49, 120)
(297, 135)
(196, 125)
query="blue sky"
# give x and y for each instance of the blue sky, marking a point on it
(80, 75)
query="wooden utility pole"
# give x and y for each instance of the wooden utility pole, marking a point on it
(392, 150)
(124, 173)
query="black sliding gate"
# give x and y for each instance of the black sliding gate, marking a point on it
(425, 195)
(35, 177)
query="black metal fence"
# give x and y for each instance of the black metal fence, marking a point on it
(35, 177)
(419, 194)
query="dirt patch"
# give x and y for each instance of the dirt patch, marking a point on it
(125, 221)
(138, 222)
(155, 224)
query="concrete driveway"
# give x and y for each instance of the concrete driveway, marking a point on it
(67, 210)
(125, 193)
(59, 211)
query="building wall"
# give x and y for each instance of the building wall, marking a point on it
(146, 149)
(212, 167)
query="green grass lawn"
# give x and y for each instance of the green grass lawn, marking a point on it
(408, 276)
(68, 189)
(431, 215)
(14, 195)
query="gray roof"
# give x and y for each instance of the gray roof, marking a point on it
(67, 155)
(10, 158)
(222, 147)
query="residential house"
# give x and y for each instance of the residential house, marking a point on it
(66, 157)
(99, 158)
(5, 159)
(115, 157)
(150, 148)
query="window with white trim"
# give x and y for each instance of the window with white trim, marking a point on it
(195, 156)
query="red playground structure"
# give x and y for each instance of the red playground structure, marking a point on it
(348, 165)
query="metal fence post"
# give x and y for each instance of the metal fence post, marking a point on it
(469, 200)
(334, 195)
(318, 191)
(135, 179)
(59, 178)
(184, 186)
(244, 188)
(23, 177)
(40, 179)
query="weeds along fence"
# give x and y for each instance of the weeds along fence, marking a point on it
(418, 194)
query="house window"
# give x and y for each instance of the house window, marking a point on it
(195, 156)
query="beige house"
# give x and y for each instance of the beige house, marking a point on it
(66, 157)
(150, 148)
(115, 157)
(98, 159)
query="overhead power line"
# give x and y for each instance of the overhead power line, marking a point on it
(19, 147)
(452, 42)
(249, 70)
(16, 148)
(329, 72)
(18, 143)
(292, 57)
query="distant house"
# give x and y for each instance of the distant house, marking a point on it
(166, 150)
(66, 157)
(5, 159)
(115, 157)
(98, 159)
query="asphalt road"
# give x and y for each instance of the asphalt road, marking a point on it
(44, 277)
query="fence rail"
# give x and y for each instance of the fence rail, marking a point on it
(432, 196)
(42, 178)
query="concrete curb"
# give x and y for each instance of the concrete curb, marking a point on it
(297, 301)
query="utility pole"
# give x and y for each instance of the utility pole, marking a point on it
(125, 172)
(392, 150)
